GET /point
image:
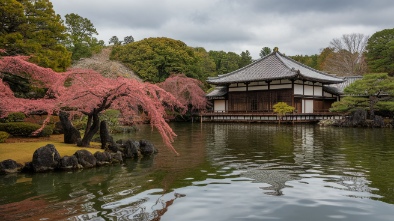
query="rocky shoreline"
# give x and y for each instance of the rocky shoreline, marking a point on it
(47, 158)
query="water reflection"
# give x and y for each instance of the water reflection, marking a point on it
(225, 172)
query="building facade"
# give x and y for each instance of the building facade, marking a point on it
(272, 79)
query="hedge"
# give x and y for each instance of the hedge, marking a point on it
(13, 117)
(3, 136)
(25, 129)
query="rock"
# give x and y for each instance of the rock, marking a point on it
(378, 121)
(85, 158)
(147, 148)
(131, 149)
(71, 134)
(105, 139)
(45, 158)
(69, 163)
(10, 166)
(102, 158)
(113, 148)
(117, 157)
(28, 168)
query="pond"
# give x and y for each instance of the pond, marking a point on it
(224, 172)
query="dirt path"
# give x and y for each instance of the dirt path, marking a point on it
(100, 62)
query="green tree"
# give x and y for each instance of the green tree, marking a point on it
(225, 62)
(373, 92)
(80, 40)
(380, 51)
(265, 51)
(309, 60)
(128, 39)
(114, 40)
(31, 27)
(245, 59)
(204, 66)
(154, 59)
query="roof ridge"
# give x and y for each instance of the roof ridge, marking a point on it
(280, 59)
(240, 69)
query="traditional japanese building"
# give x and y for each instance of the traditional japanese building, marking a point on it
(272, 79)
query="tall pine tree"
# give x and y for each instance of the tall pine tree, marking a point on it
(31, 27)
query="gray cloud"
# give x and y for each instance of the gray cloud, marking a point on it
(295, 26)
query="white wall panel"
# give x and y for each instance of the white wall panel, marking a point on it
(280, 86)
(256, 88)
(219, 105)
(318, 91)
(308, 90)
(307, 106)
(298, 89)
(237, 89)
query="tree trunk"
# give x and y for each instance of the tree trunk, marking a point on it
(91, 130)
(372, 102)
(71, 134)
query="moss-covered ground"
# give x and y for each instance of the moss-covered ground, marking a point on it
(21, 149)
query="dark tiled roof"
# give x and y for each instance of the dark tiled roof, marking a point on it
(219, 91)
(338, 88)
(273, 67)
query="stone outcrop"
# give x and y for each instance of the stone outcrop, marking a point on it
(45, 158)
(147, 148)
(10, 166)
(71, 134)
(131, 149)
(69, 163)
(102, 158)
(85, 158)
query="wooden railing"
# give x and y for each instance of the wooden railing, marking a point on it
(267, 117)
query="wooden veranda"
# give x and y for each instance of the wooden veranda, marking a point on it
(263, 117)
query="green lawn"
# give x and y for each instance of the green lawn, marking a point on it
(21, 150)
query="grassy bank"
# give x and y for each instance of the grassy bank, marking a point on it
(21, 149)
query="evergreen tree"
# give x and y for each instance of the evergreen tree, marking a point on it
(380, 51)
(80, 40)
(265, 51)
(31, 27)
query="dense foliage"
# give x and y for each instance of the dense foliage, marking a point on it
(30, 27)
(80, 40)
(229, 61)
(155, 59)
(308, 60)
(373, 92)
(380, 51)
(3, 136)
(188, 91)
(281, 108)
(25, 129)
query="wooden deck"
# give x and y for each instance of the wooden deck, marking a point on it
(267, 117)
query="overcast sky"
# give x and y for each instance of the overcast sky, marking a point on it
(294, 26)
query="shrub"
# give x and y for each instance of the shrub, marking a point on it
(3, 136)
(25, 129)
(14, 117)
(281, 108)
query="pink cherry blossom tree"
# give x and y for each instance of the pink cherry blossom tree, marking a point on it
(89, 93)
(187, 90)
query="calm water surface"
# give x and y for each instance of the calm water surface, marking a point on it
(225, 172)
